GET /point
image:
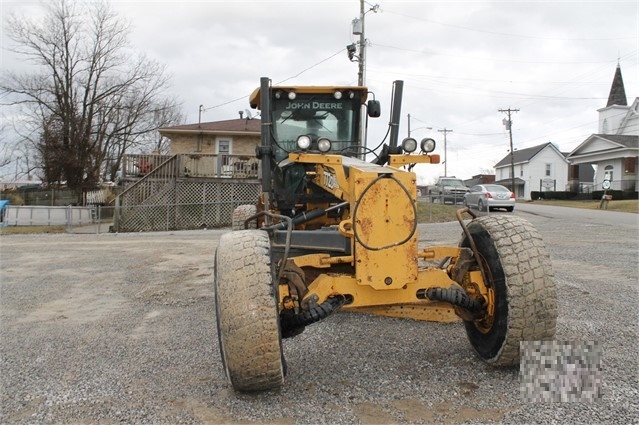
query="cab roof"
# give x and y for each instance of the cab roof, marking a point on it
(254, 99)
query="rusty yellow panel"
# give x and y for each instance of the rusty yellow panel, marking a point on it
(384, 227)
(329, 284)
(399, 160)
(432, 312)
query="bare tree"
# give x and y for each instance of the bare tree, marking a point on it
(92, 97)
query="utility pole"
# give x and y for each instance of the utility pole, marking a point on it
(359, 29)
(445, 131)
(362, 46)
(509, 126)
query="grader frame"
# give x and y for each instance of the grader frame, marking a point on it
(332, 231)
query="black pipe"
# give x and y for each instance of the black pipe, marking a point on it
(306, 216)
(265, 129)
(396, 110)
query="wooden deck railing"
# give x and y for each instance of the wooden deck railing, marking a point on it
(191, 165)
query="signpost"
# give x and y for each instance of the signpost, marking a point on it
(605, 185)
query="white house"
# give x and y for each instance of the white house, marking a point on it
(614, 150)
(539, 168)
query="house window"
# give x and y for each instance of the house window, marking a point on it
(548, 169)
(521, 171)
(573, 172)
(608, 172)
(629, 165)
(224, 149)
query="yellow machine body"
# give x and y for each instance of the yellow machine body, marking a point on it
(382, 229)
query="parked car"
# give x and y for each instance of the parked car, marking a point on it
(489, 197)
(448, 189)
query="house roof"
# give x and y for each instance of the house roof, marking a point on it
(617, 91)
(616, 142)
(626, 140)
(525, 155)
(240, 125)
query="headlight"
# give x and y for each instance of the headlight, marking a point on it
(427, 145)
(337, 95)
(409, 145)
(324, 145)
(304, 142)
(291, 95)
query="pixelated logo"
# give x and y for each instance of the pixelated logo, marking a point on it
(560, 371)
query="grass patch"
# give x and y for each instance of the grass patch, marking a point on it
(427, 212)
(28, 230)
(626, 205)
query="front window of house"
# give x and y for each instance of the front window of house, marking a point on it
(548, 170)
(608, 172)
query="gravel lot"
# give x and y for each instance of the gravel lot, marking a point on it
(120, 328)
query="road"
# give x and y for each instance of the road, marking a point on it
(120, 328)
(581, 215)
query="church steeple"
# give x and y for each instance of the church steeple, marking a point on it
(617, 92)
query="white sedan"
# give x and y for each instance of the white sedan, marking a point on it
(490, 196)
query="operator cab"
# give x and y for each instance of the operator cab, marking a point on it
(316, 119)
(307, 119)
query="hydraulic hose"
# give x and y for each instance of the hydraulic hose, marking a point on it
(291, 323)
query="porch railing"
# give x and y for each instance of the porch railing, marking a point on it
(192, 165)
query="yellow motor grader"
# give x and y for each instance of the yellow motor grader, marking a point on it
(332, 231)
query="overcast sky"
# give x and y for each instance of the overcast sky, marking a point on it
(461, 62)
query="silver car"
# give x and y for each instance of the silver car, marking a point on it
(490, 196)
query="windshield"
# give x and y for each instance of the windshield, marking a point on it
(452, 182)
(318, 115)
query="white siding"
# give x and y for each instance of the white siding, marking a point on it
(596, 145)
(613, 116)
(537, 171)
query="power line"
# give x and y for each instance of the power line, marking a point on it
(504, 34)
(202, 109)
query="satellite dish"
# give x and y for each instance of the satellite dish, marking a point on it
(248, 114)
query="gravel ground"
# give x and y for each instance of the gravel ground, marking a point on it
(120, 328)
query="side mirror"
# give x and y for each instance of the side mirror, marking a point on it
(374, 109)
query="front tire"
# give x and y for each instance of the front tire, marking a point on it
(520, 276)
(240, 214)
(246, 308)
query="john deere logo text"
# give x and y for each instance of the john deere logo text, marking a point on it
(314, 105)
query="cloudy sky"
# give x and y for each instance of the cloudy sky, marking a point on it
(461, 62)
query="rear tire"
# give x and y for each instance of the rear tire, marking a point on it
(240, 214)
(247, 316)
(525, 300)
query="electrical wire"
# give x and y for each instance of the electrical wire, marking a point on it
(358, 202)
(280, 82)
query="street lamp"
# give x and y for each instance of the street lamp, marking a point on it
(418, 128)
